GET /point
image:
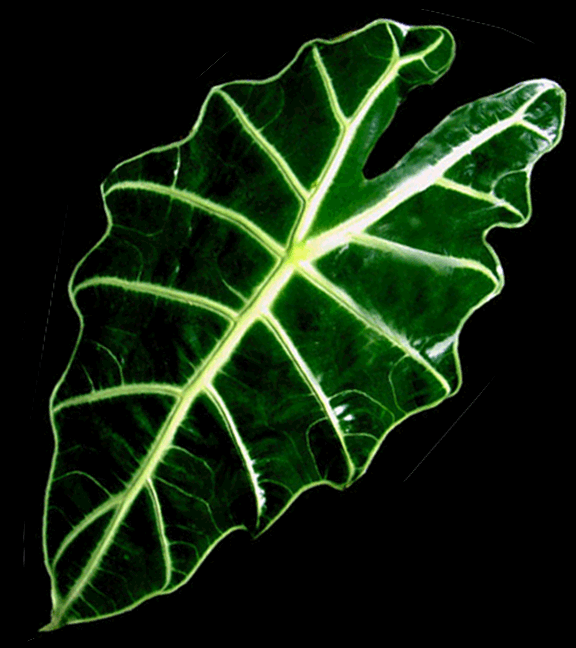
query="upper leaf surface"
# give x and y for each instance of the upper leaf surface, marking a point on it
(259, 315)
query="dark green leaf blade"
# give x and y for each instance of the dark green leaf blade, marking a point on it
(198, 374)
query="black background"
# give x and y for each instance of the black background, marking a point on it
(452, 511)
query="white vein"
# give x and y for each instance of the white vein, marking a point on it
(268, 148)
(440, 262)
(208, 206)
(535, 129)
(245, 454)
(89, 519)
(172, 294)
(134, 389)
(307, 375)
(161, 527)
(370, 320)
(114, 358)
(330, 91)
(479, 195)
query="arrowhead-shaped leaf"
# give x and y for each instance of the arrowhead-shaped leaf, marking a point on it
(259, 315)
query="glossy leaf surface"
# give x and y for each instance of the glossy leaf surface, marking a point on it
(259, 315)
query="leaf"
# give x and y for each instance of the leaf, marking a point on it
(302, 387)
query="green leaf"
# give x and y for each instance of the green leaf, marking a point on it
(259, 314)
